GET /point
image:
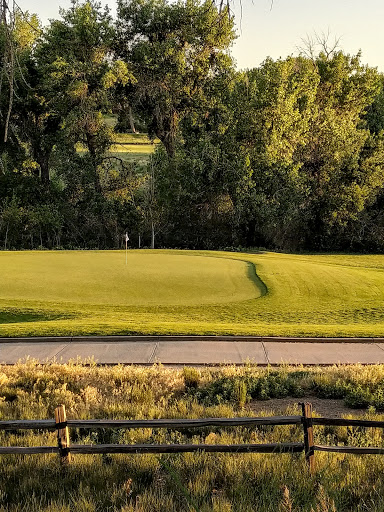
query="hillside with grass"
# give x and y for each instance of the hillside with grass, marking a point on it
(190, 292)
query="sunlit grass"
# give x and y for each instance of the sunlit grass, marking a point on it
(134, 138)
(213, 482)
(129, 147)
(141, 149)
(190, 292)
(132, 152)
(132, 147)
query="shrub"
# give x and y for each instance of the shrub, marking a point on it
(358, 397)
(191, 376)
(240, 392)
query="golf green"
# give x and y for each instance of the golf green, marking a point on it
(190, 292)
(108, 277)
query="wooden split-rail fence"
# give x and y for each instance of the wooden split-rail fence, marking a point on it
(64, 449)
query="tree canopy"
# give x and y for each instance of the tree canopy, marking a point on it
(286, 155)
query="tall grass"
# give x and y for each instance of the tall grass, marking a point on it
(182, 482)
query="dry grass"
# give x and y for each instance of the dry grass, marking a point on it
(189, 482)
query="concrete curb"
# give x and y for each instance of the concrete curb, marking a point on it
(181, 338)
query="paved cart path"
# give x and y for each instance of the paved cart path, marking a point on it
(195, 350)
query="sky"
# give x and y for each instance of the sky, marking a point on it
(277, 29)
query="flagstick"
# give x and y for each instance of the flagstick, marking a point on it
(126, 251)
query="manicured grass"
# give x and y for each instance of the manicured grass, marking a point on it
(139, 153)
(133, 147)
(190, 292)
(104, 277)
(134, 138)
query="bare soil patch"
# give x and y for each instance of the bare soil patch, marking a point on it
(330, 408)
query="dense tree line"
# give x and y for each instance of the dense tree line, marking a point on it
(287, 155)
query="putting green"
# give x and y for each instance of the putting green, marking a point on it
(190, 292)
(106, 277)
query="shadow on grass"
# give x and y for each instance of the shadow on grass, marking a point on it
(13, 316)
(252, 274)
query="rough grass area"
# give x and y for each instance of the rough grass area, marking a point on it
(190, 292)
(189, 482)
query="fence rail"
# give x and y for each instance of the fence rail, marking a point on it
(161, 423)
(65, 449)
(159, 448)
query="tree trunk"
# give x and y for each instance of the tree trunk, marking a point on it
(168, 142)
(43, 162)
(152, 236)
(131, 122)
(42, 156)
(6, 237)
(91, 139)
(10, 64)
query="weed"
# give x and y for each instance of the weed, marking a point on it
(191, 376)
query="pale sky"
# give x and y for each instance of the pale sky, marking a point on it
(278, 30)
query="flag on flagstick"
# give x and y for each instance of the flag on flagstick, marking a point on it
(126, 248)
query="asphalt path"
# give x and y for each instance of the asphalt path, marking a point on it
(194, 350)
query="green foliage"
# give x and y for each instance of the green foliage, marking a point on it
(238, 390)
(174, 50)
(309, 151)
(77, 78)
(358, 397)
(240, 393)
(328, 389)
(357, 392)
(278, 156)
(374, 113)
(288, 155)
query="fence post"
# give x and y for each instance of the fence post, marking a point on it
(308, 436)
(62, 434)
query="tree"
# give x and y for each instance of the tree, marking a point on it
(310, 152)
(77, 75)
(201, 188)
(375, 112)
(174, 49)
(18, 35)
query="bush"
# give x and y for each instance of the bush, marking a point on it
(191, 377)
(240, 392)
(358, 397)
